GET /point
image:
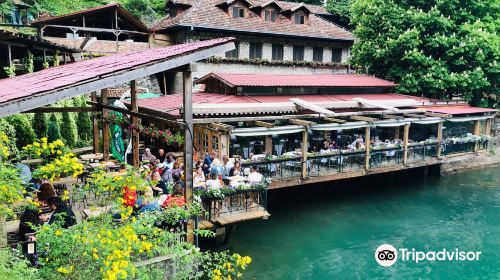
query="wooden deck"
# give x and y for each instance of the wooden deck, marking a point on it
(233, 218)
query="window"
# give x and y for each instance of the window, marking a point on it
(215, 143)
(336, 55)
(278, 52)
(238, 12)
(318, 54)
(255, 50)
(298, 53)
(234, 53)
(205, 142)
(299, 19)
(270, 15)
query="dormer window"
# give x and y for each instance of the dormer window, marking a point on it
(238, 12)
(271, 15)
(299, 18)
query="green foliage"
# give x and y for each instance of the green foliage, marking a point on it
(84, 121)
(24, 132)
(56, 60)
(11, 190)
(68, 129)
(10, 70)
(6, 6)
(14, 266)
(40, 124)
(341, 9)
(29, 63)
(10, 131)
(437, 49)
(54, 131)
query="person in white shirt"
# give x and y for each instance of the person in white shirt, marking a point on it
(213, 182)
(254, 176)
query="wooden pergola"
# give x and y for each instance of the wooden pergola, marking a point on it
(31, 92)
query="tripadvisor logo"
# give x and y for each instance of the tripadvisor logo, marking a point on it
(387, 255)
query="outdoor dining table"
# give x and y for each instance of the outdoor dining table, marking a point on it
(237, 178)
(92, 157)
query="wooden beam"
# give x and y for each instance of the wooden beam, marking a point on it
(63, 110)
(178, 123)
(97, 30)
(334, 120)
(109, 80)
(406, 133)
(432, 114)
(305, 145)
(95, 126)
(363, 118)
(394, 117)
(105, 125)
(367, 148)
(301, 122)
(135, 122)
(408, 115)
(439, 134)
(263, 124)
(221, 126)
(188, 147)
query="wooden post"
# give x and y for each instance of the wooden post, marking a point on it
(305, 144)
(439, 138)
(95, 126)
(477, 131)
(488, 127)
(135, 122)
(105, 126)
(406, 132)
(188, 145)
(9, 54)
(367, 148)
(397, 132)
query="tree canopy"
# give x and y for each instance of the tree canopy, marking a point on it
(438, 49)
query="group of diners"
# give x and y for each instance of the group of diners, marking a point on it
(330, 145)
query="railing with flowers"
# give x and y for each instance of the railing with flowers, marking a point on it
(336, 161)
(465, 144)
(280, 168)
(228, 199)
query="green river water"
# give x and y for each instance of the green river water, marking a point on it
(332, 231)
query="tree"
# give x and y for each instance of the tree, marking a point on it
(54, 131)
(341, 9)
(40, 124)
(68, 129)
(437, 49)
(24, 132)
(10, 131)
(84, 122)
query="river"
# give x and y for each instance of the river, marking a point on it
(332, 231)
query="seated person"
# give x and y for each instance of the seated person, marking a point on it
(161, 186)
(61, 212)
(207, 163)
(199, 178)
(214, 181)
(148, 156)
(148, 202)
(254, 176)
(177, 180)
(217, 168)
(176, 198)
(236, 170)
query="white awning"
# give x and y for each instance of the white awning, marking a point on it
(312, 107)
(429, 120)
(392, 123)
(339, 126)
(468, 119)
(259, 131)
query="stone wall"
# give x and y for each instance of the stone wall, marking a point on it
(461, 163)
(204, 68)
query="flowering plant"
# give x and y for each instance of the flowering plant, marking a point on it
(4, 146)
(229, 267)
(65, 164)
(41, 149)
(10, 189)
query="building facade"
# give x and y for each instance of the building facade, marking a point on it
(273, 36)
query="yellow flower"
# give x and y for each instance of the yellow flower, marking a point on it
(58, 232)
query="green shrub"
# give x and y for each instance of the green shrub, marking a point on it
(10, 131)
(24, 132)
(40, 124)
(68, 129)
(14, 266)
(84, 122)
(54, 131)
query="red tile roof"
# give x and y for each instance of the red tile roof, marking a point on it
(172, 103)
(79, 72)
(458, 109)
(273, 80)
(204, 14)
(121, 11)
